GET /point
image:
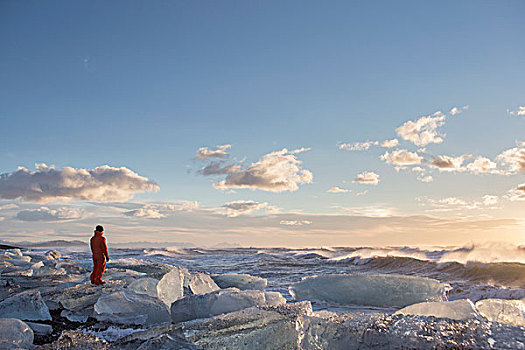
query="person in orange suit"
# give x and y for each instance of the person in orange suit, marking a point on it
(99, 249)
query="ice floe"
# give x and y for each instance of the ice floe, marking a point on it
(462, 309)
(378, 290)
(505, 311)
(241, 281)
(15, 334)
(126, 307)
(27, 306)
(221, 301)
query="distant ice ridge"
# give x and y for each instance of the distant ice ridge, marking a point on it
(370, 289)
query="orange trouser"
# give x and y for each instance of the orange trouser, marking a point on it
(99, 265)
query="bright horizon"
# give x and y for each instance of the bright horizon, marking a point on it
(263, 124)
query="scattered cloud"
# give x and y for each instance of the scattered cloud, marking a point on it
(237, 208)
(390, 143)
(402, 157)
(424, 130)
(8, 206)
(160, 210)
(513, 159)
(367, 177)
(219, 168)
(370, 211)
(456, 204)
(219, 151)
(358, 146)
(518, 193)
(482, 165)
(338, 190)
(47, 184)
(361, 193)
(47, 214)
(458, 110)
(275, 172)
(427, 178)
(295, 222)
(447, 163)
(519, 112)
(146, 213)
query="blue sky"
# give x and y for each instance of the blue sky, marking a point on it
(145, 85)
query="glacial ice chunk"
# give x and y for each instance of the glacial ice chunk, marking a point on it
(85, 295)
(15, 334)
(48, 271)
(27, 305)
(504, 311)
(240, 280)
(126, 307)
(379, 290)
(144, 285)
(52, 254)
(40, 329)
(200, 283)
(221, 301)
(462, 309)
(171, 286)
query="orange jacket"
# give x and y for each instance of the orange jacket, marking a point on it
(98, 246)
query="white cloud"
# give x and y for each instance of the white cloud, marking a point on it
(47, 214)
(518, 193)
(390, 143)
(402, 157)
(218, 168)
(361, 193)
(147, 213)
(457, 110)
(338, 190)
(8, 206)
(237, 208)
(370, 211)
(457, 204)
(424, 130)
(295, 222)
(513, 159)
(275, 172)
(160, 210)
(367, 177)
(358, 146)
(427, 178)
(519, 112)
(46, 184)
(418, 169)
(215, 152)
(482, 165)
(446, 163)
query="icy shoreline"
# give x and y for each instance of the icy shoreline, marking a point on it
(48, 301)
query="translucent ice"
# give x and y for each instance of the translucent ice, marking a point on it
(15, 334)
(84, 296)
(145, 285)
(53, 254)
(504, 311)
(40, 329)
(462, 309)
(370, 289)
(200, 283)
(126, 307)
(241, 281)
(221, 301)
(171, 286)
(27, 305)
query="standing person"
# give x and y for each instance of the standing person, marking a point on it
(100, 255)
